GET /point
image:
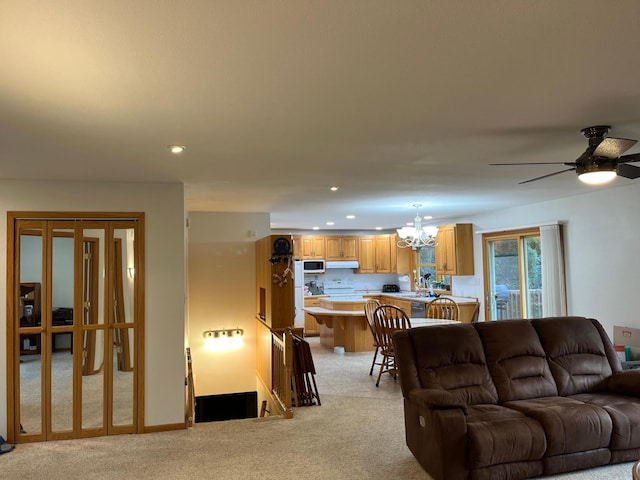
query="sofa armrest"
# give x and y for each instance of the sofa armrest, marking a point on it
(626, 382)
(437, 436)
(436, 399)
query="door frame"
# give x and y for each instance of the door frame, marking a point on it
(516, 234)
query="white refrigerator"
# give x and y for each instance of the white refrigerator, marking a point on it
(298, 293)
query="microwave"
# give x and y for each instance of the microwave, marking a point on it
(313, 266)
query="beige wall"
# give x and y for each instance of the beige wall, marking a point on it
(163, 205)
(221, 294)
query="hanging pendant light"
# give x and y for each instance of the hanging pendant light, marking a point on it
(417, 236)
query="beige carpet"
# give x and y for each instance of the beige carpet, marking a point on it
(357, 433)
(61, 395)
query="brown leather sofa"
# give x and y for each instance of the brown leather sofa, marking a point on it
(516, 399)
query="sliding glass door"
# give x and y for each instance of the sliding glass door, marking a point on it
(513, 281)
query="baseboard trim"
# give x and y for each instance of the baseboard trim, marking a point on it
(164, 428)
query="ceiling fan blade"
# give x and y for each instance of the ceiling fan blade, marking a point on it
(536, 163)
(613, 147)
(628, 171)
(635, 157)
(545, 176)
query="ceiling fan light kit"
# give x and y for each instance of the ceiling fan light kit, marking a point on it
(596, 173)
(601, 162)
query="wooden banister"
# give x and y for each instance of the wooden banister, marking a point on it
(282, 362)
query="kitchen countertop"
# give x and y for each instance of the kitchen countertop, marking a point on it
(328, 311)
(414, 298)
(401, 295)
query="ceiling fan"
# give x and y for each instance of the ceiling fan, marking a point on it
(600, 162)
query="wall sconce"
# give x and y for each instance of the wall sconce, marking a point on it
(225, 339)
(226, 332)
(131, 271)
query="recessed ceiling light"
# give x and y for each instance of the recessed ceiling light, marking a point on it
(176, 148)
(334, 189)
(331, 223)
(427, 217)
(351, 217)
(378, 228)
(316, 228)
(409, 224)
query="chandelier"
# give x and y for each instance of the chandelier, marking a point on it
(417, 236)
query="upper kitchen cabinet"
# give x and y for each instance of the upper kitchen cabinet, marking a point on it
(454, 249)
(297, 248)
(366, 252)
(312, 246)
(379, 254)
(341, 248)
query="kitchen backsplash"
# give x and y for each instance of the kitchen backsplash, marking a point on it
(371, 282)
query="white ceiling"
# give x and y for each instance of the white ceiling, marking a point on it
(397, 102)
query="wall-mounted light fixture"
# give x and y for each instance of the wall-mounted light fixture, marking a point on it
(224, 339)
(225, 332)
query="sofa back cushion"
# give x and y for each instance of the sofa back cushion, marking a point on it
(579, 353)
(451, 358)
(516, 360)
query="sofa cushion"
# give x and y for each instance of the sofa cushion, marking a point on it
(570, 425)
(576, 353)
(625, 417)
(451, 357)
(499, 435)
(516, 360)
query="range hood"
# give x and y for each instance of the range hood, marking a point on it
(342, 264)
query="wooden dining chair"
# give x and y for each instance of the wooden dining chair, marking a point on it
(388, 319)
(443, 308)
(369, 309)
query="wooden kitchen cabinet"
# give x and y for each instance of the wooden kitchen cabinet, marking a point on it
(385, 253)
(366, 255)
(454, 249)
(297, 247)
(341, 248)
(311, 327)
(467, 311)
(404, 257)
(312, 246)
(380, 254)
(401, 303)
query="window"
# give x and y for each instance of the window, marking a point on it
(427, 266)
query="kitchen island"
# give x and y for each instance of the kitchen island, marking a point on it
(343, 324)
(342, 321)
(467, 305)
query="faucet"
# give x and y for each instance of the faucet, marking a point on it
(422, 284)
